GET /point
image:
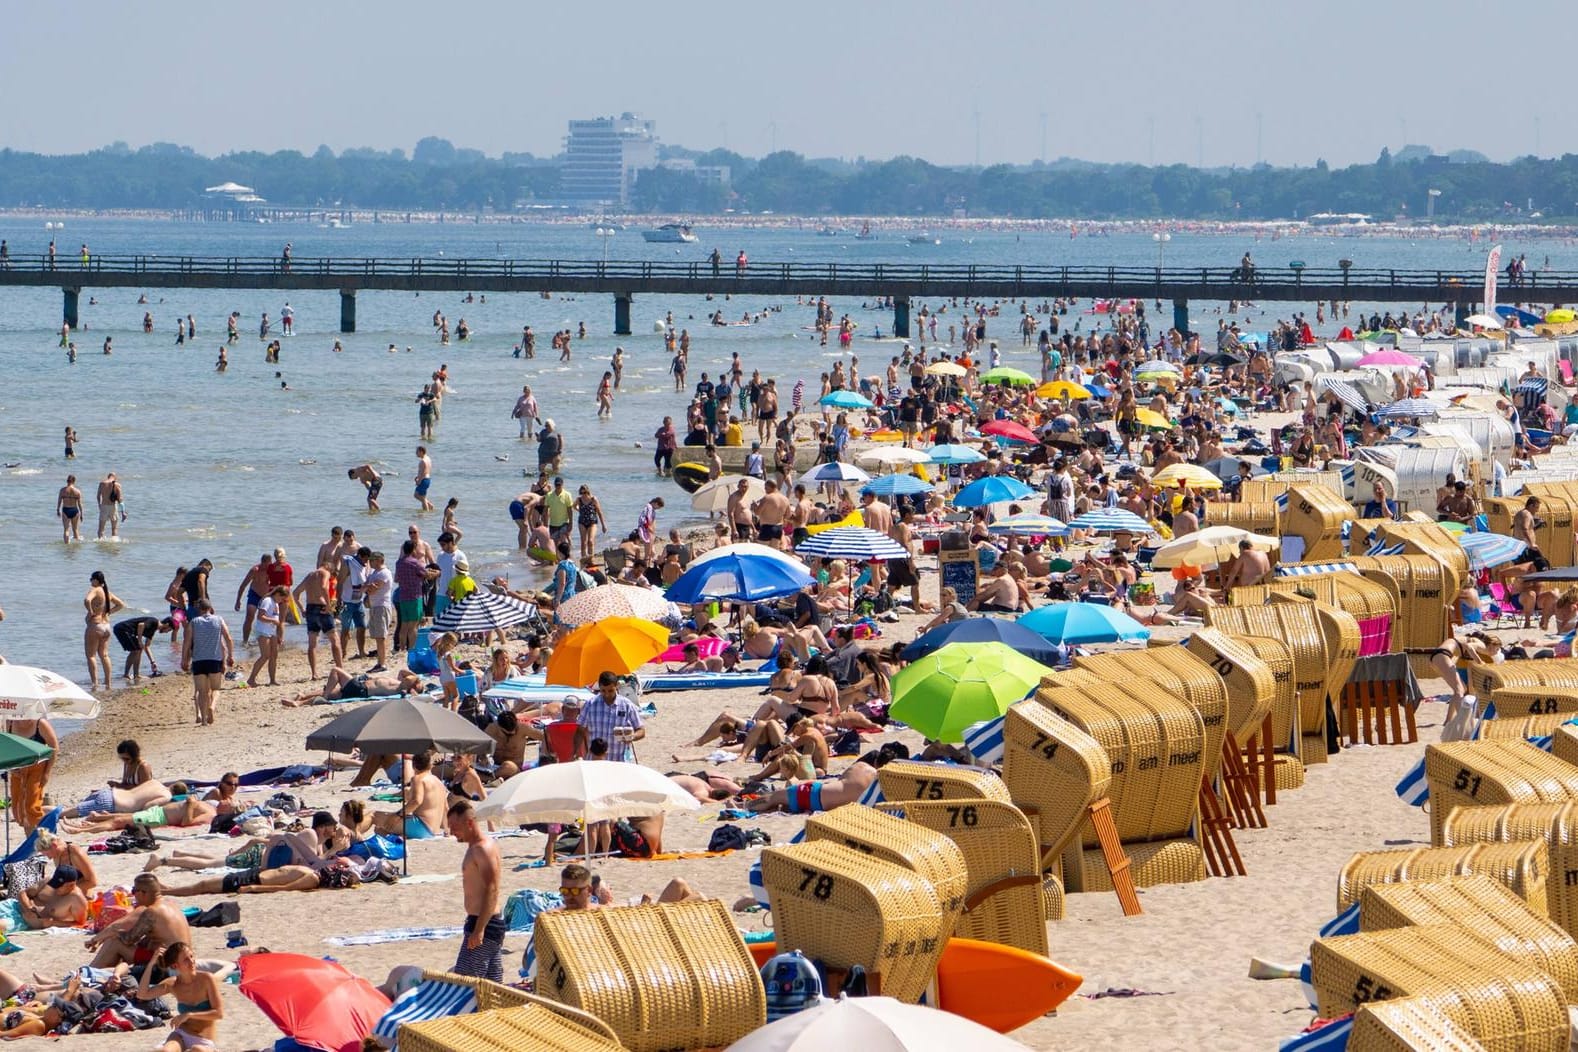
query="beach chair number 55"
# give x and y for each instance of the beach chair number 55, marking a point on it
(1367, 989)
(1466, 782)
(819, 884)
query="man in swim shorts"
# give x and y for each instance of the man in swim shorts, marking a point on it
(424, 478)
(804, 798)
(312, 596)
(344, 685)
(370, 479)
(331, 875)
(426, 803)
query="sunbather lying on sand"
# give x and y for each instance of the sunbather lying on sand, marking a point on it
(119, 801)
(330, 875)
(706, 786)
(343, 685)
(185, 812)
(825, 794)
(304, 847)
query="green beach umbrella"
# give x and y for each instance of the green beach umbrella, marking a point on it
(18, 752)
(962, 684)
(1004, 375)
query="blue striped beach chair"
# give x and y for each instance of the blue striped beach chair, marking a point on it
(436, 997)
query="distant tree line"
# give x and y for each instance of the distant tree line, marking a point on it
(439, 175)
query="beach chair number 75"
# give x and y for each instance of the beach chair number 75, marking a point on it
(928, 789)
(1466, 782)
(819, 884)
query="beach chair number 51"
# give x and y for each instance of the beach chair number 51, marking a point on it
(1466, 782)
(819, 884)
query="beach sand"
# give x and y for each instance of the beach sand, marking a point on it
(1192, 945)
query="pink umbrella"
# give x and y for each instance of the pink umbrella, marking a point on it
(1391, 357)
(706, 646)
(1011, 430)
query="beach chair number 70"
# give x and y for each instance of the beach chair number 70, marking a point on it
(819, 884)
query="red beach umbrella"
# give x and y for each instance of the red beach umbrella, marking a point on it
(315, 1002)
(1011, 430)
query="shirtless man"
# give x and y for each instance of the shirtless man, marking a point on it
(877, 516)
(343, 684)
(255, 585)
(59, 903)
(739, 512)
(425, 802)
(424, 478)
(144, 932)
(109, 500)
(110, 800)
(998, 592)
(372, 480)
(771, 511)
(1251, 567)
(509, 744)
(767, 410)
(189, 812)
(331, 875)
(902, 572)
(1525, 522)
(826, 793)
(312, 598)
(300, 848)
(801, 512)
(329, 550)
(482, 942)
(68, 508)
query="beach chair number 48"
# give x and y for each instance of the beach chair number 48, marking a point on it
(818, 884)
(1367, 989)
(1466, 782)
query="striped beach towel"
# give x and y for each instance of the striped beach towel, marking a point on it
(1333, 1037)
(430, 999)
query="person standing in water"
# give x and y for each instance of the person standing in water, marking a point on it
(100, 603)
(617, 366)
(109, 500)
(71, 443)
(68, 509)
(424, 477)
(370, 479)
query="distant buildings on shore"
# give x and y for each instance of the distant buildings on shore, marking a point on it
(605, 156)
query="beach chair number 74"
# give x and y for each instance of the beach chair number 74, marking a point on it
(819, 884)
(1466, 782)
(1045, 745)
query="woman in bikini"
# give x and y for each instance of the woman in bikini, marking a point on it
(198, 1004)
(100, 603)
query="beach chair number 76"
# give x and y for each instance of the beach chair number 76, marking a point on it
(967, 815)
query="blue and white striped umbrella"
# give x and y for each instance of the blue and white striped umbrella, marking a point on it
(1029, 525)
(852, 542)
(1485, 550)
(1409, 407)
(483, 611)
(835, 471)
(897, 485)
(993, 489)
(1110, 520)
(954, 453)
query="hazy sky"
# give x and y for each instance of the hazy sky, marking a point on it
(1125, 80)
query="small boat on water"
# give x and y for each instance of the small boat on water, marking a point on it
(670, 234)
(924, 238)
(606, 224)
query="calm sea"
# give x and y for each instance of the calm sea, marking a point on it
(227, 466)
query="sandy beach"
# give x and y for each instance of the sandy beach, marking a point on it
(1191, 947)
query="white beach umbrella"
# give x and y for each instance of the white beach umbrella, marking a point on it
(1211, 546)
(835, 471)
(586, 791)
(28, 693)
(751, 548)
(613, 600)
(714, 495)
(892, 456)
(874, 1024)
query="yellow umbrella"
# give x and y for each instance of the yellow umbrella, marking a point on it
(946, 369)
(1065, 389)
(1559, 315)
(1194, 474)
(615, 644)
(1151, 418)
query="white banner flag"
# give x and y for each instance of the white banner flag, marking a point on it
(1492, 268)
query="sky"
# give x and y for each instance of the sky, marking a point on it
(997, 81)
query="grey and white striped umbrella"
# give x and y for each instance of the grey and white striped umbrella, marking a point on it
(852, 542)
(1408, 407)
(483, 611)
(835, 471)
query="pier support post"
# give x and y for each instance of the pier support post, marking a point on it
(622, 313)
(347, 310)
(69, 307)
(901, 317)
(1181, 316)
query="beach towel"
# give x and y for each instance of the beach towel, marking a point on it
(521, 911)
(430, 999)
(378, 938)
(1345, 923)
(1333, 1037)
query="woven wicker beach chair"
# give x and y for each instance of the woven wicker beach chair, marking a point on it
(1464, 774)
(913, 780)
(536, 1025)
(930, 854)
(1534, 701)
(1520, 728)
(1054, 768)
(1555, 824)
(1407, 1024)
(1522, 867)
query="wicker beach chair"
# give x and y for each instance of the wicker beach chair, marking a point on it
(1463, 774)
(1316, 514)
(1425, 589)
(1054, 768)
(1534, 701)
(1522, 867)
(1554, 824)
(843, 907)
(1516, 728)
(661, 976)
(930, 854)
(913, 780)
(537, 1024)
(1559, 673)
(1278, 740)
(1407, 1024)
(1501, 1000)
(1558, 502)
(1251, 689)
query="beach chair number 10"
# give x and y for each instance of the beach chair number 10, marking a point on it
(819, 884)
(1466, 782)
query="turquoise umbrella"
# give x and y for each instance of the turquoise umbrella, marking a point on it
(846, 400)
(1071, 623)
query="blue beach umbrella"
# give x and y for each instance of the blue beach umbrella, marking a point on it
(896, 486)
(954, 453)
(994, 489)
(739, 578)
(1071, 623)
(845, 400)
(852, 542)
(1028, 642)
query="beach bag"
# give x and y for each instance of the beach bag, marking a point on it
(422, 661)
(106, 907)
(24, 875)
(283, 802)
(728, 837)
(217, 916)
(793, 984)
(629, 842)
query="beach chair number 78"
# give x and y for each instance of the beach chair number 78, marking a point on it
(820, 884)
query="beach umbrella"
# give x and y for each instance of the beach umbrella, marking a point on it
(1110, 520)
(1225, 468)
(1152, 419)
(706, 647)
(584, 791)
(1483, 321)
(845, 399)
(748, 548)
(1485, 550)
(1193, 474)
(835, 471)
(892, 456)
(874, 1024)
(28, 693)
(1010, 430)
(993, 489)
(1560, 315)
(16, 752)
(1074, 623)
(1211, 546)
(619, 645)
(897, 485)
(945, 368)
(961, 684)
(315, 1002)
(852, 542)
(714, 496)
(955, 453)
(738, 577)
(483, 611)
(1409, 407)
(1012, 634)
(1006, 375)
(1067, 390)
(612, 600)
(1028, 524)
(1390, 357)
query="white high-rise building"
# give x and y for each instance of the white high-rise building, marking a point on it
(603, 156)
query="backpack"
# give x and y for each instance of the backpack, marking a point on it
(793, 984)
(728, 837)
(217, 916)
(629, 842)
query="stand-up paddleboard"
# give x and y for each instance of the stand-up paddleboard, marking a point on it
(854, 518)
(690, 476)
(1000, 987)
(542, 555)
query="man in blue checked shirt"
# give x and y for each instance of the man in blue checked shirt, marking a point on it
(613, 718)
